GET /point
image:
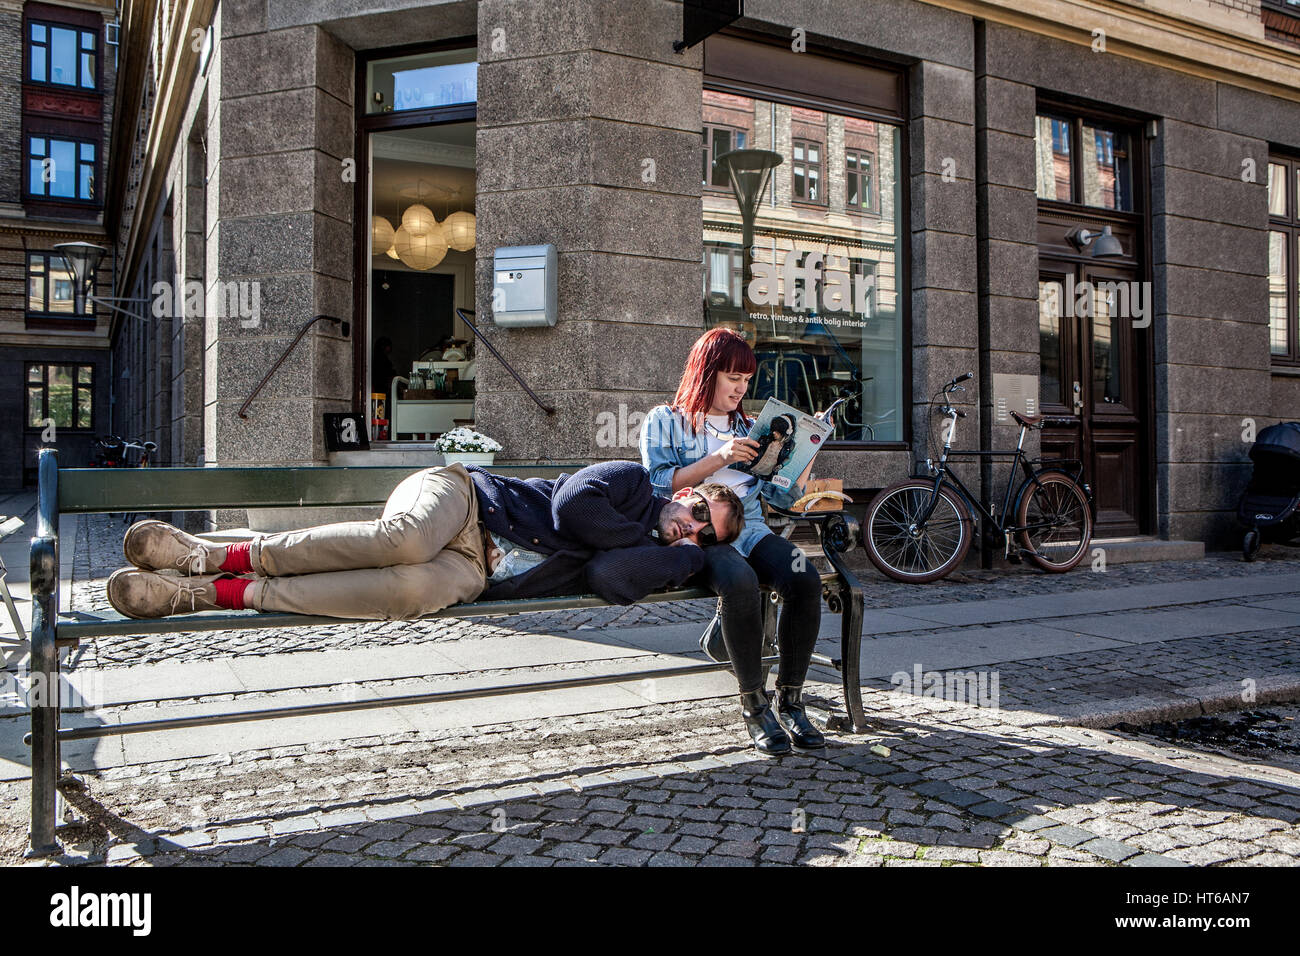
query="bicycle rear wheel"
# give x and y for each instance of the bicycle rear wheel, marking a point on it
(1057, 522)
(907, 552)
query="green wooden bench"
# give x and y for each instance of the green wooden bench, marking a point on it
(72, 491)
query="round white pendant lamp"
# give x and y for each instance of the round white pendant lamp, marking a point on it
(381, 235)
(419, 219)
(459, 229)
(420, 251)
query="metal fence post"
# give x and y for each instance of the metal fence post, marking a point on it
(45, 660)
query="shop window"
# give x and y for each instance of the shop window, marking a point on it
(820, 298)
(62, 394)
(62, 55)
(422, 81)
(49, 288)
(1283, 256)
(60, 168)
(422, 369)
(1084, 161)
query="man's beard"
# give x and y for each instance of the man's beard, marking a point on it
(668, 529)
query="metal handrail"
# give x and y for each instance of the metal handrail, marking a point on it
(243, 409)
(464, 317)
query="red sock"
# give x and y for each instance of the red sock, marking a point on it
(238, 560)
(230, 592)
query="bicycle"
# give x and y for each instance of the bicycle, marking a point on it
(112, 452)
(918, 530)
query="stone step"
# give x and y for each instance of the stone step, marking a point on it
(1144, 548)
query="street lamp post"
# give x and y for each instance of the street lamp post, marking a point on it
(83, 258)
(748, 171)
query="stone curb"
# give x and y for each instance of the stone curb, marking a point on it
(1192, 702)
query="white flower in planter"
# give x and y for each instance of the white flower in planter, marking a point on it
(466, 440)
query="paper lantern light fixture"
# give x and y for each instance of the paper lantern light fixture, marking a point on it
(381, 235)
(459, 229)
(420, 252)
(419, 219)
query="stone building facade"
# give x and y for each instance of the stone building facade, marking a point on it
(263, 159)
(55, 371)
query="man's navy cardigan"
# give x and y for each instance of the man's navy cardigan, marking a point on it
(594, 526)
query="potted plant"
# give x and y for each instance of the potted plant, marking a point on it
(466, 446)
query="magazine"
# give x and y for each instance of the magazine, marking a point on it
(787, 440)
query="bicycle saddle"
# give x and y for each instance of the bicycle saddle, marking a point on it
(1029, 421)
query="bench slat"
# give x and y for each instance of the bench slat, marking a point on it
(103, 490)
(82, 625)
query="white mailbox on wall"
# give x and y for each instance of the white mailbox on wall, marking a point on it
(525, 284)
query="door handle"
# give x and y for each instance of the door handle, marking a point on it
(1078, 399)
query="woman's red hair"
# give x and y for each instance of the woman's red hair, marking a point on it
(718, 350)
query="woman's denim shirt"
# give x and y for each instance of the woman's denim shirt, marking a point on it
(668, 444)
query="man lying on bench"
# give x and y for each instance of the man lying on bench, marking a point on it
(447, 535)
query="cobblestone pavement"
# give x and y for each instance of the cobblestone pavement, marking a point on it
(1189, 670)
(667, 785)
(937, 783)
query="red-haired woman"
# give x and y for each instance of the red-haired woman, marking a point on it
(695, 440)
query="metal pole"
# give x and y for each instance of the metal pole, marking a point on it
(45, 659)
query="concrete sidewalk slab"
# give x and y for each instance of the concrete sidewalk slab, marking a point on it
(659, 639)
(1100, 601)
(196, 742)
(323, 668)
(16, 757)
(875, 623)
(1144, 627)
(116, 686)
(534, 650)
(968, 647)
(1291, 604)
(525, 706)
(258, 734)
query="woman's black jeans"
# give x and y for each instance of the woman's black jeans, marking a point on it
(777, 564)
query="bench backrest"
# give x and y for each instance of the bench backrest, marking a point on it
(98, 490)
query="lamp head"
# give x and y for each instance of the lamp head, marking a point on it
(1104, 244)
(83, 259)
(748, 171)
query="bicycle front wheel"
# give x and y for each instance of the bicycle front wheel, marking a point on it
(907, 551)
(1055, 522)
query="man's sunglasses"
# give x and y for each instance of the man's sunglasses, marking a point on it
(700, 512)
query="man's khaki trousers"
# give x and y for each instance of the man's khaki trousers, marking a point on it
(424, 554)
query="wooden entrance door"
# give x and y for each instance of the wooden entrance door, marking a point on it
(1091, 385)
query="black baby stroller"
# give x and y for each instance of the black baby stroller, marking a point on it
(1270, 508)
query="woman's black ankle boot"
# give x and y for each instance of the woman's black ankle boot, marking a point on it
(763, 726)
(789, 711)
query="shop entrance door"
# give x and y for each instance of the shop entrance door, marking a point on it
(1092, 388)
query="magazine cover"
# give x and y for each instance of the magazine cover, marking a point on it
(787, 440)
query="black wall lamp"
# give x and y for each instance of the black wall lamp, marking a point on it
(1104, 244)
